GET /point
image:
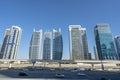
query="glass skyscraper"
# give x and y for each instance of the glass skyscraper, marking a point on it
(57, 45)
(35, 45)
(117, 44)
(11, 43)
(104, 42)
(96, 52)
(78, 43)
(47, 46)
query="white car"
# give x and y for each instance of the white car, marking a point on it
(52, 69)
(60, 75)
(81, 74)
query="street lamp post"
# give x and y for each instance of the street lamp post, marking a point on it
(102, 66)
(33, 62)
(10, 64)
(59, 64)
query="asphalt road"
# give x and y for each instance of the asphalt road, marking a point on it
(44, 74)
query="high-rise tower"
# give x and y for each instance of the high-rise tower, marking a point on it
(104, 42)
(47, 46)
(11, 43)
(57, 45)
(35, 45)
(117, 45)
(78, 43)
(96, 52)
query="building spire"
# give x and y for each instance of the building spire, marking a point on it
(34, 29)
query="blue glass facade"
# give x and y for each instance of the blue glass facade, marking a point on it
(47, 46)
(57, 45)
(104, 42)
(117, 43)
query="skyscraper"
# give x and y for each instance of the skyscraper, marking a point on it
(78, 43)
(0, 47)
(57, 45)
(47, 46)
(35, 45)
(117, 45)
(96, 53)
(11, 43)
(104, 42)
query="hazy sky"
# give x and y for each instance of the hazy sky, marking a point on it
(50, 14)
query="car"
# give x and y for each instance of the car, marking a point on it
(60, 75)
(31, 69)
(39, 69)
(25, 69)
(67, 69)
(75, 70)
(11, 68)
(81, 74)
(22, 74)
(89, 69)
(52, 69)
(104, 78)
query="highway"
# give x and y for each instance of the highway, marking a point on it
(48, 73)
